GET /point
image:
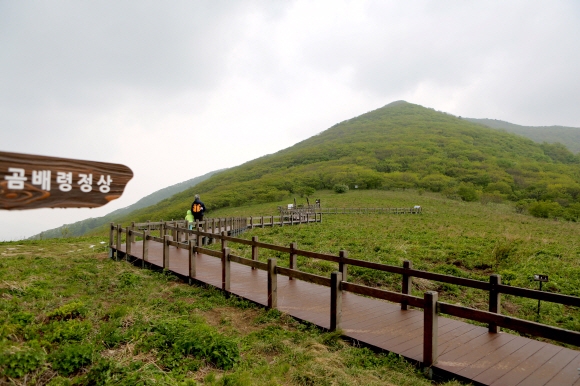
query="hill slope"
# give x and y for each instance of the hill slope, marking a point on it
(86, 226)
(569, 136)
(398, 146)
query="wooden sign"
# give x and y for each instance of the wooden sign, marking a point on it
(33, 181)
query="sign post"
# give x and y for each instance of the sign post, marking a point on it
(541, 279)
(32, 181)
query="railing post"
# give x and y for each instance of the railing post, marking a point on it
(254, 249)
(262, 221)
(494, 299)
(111, 239)
(430, 332)
(166, 240)
(119, 237)
(335, 301)
(191, 250)
(226, 269)
(205, 230)
(292, 263)
(132, 228)
(342, 266)
(145, 248)
(198, 238)
(307, 218)
(251, 222)
(272, 284)
(128, 242)
(407, 283)
(224, 241)
(174, 232)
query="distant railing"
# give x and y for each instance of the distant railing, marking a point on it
(413, 210)
(338, 281)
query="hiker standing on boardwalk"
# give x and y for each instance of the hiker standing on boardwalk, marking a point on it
(197, 208)
(190, 219)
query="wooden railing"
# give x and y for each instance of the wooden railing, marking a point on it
(338, 282)
(412, 210)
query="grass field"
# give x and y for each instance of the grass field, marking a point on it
(451, 237)
(71, 316)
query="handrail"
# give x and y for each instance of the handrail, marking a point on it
(338, 281)
(470, 283)
(516, 324)
(410, 210)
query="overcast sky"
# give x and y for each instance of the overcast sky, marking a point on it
(213, 84)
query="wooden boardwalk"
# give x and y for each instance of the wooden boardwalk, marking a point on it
(466, 352)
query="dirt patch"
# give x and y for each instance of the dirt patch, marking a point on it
(424, 284)
(241, 320)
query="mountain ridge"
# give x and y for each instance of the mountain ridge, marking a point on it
(566, 135)
(398, 146)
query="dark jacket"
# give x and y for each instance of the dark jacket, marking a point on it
(197, 204)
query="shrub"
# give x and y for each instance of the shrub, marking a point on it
(129, 280)
(545, 209)
(72, 330)
(467, 192)
(340, 188)
(68, 311)
(16, 363)
(70, 358)
(179, 338)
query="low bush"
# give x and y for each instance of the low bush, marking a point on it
(70, 358)
(68, 311)
(16, 363)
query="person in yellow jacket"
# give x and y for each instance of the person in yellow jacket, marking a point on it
(190, 219)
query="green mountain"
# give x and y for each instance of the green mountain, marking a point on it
(569, 136)
(86, 226)
(399, 146)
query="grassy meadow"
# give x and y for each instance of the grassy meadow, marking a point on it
(69, 315)
(466, 239)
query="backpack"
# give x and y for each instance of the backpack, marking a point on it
(196, 208)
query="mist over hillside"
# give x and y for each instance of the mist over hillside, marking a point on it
(400, 146)
(568, 136)
(84, 226)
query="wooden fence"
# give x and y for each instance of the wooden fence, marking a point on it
(413, 210)
(338, 281)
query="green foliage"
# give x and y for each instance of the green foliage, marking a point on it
(545, 209)
(70, 358)
(68, 311)
(64, 331)
(467, 192)
(340, 188)
(17, 362)
(178, 338)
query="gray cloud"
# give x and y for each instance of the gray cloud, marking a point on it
(135, 81)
